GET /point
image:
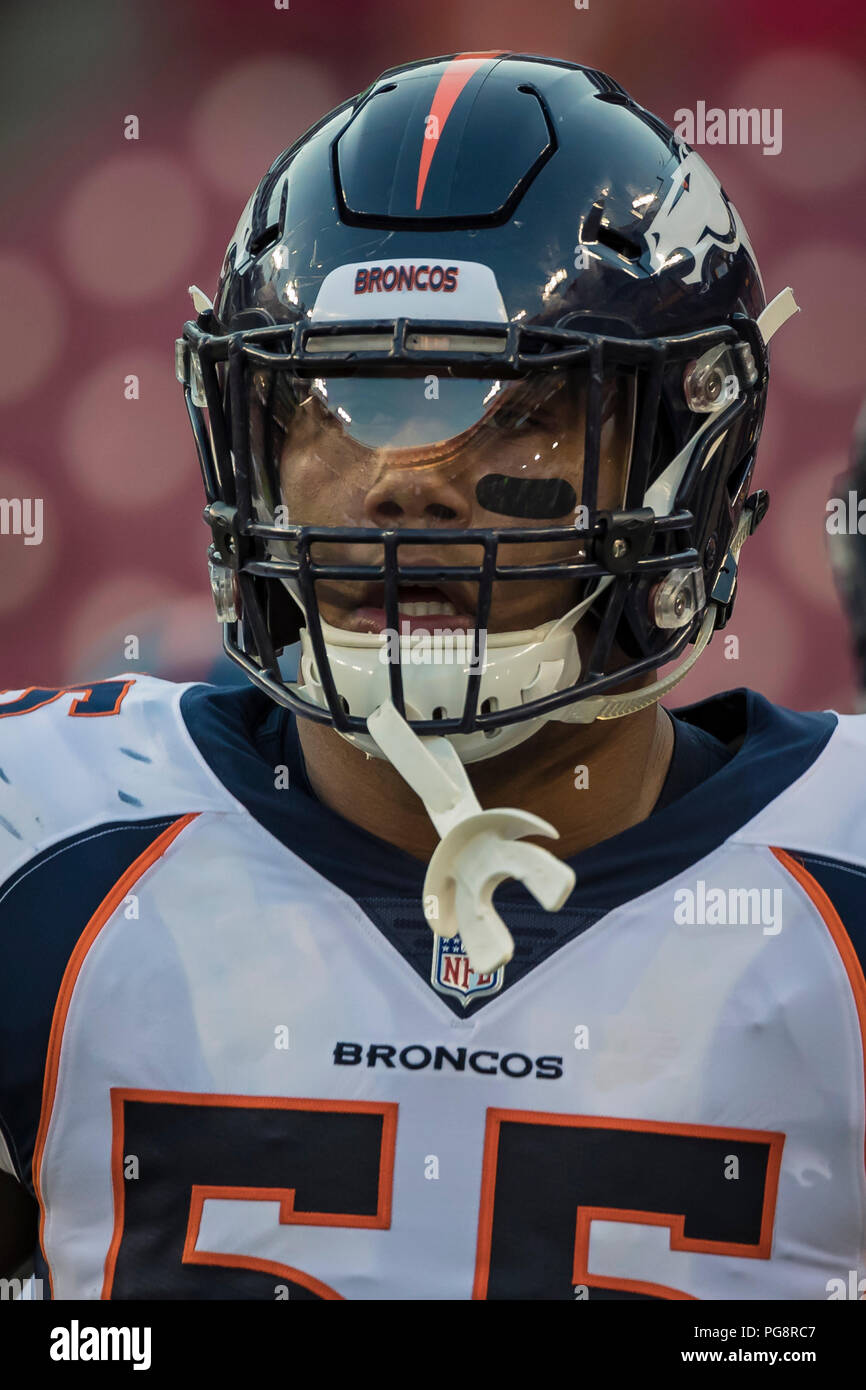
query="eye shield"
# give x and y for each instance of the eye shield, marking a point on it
(513, 449)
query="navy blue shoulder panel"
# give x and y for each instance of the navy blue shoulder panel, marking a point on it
(44, 908)
(772, 747)
(845, 886)
(244, 737)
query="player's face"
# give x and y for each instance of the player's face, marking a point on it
(520, 465)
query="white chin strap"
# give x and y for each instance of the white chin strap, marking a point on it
(515, 667)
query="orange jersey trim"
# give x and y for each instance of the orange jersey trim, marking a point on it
(103, 913)
(841, 940)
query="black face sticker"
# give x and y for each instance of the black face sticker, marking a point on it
(530, 499)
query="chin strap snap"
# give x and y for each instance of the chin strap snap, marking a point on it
(477, 850)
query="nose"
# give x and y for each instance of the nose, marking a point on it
(417, 497)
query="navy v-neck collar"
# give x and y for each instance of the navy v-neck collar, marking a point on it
(243, 736)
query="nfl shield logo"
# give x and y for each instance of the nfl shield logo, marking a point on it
(452, 973)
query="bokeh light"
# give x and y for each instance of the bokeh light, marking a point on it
(124, 451)
(173, 631)
(823, 350)
(129, 226)
(253, 111)
(33, 320)
(822, 97)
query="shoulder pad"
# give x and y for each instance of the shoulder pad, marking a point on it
(87, 754)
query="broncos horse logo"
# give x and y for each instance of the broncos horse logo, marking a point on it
(694, 216)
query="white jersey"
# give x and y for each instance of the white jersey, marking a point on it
(233, 1065)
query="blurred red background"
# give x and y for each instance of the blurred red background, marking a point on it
(100, 237)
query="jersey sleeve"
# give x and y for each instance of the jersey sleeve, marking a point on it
(89, 777)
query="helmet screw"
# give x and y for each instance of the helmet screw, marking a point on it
(710, 553)
(619, 548)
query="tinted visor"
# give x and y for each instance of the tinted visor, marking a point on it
(430, 451)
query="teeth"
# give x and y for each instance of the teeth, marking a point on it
(423, 610)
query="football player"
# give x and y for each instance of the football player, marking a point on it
(450, 964)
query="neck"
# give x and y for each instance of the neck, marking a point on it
(590, 781)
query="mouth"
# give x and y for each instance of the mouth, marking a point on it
(420, 609)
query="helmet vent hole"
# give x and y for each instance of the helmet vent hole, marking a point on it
(489, 706)
(622, 245)
(265, 238)
(345, 705)
(440, 712)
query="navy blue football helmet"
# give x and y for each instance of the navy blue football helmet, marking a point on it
(476, 253)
